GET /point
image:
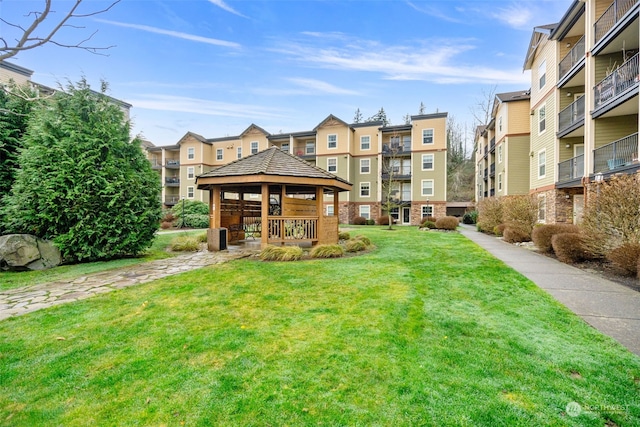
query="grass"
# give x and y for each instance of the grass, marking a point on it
(10, 279)
(427, 329)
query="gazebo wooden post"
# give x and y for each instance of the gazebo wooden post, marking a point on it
(264, 216)
(320, 213)
(214, 242)
(336, 204)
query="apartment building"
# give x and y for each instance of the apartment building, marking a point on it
(584, 103)
(502, 147)
(365, 154)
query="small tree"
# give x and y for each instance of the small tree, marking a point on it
(391, 165)
(357, 117)
(380, 116)
(421, 110)
(82, 182)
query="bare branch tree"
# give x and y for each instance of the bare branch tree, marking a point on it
(481, 110)
(35, 34)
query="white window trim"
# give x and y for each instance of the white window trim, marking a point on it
(542, 107)
(330, 211)
(191, 192)
(368, 185)
(219, 154)
(191, 153)
(543, 67)
(433, 136)
(239, 152)
(369, 166)
(191, 172)
(422, 210)
(544, 150)
(542, 198)
(257, 145)
(336, 160)
(365, 149)
(328, 137)
(433, 161)
(368, 209)
(500, 153)
(500, 181)
(433, 188)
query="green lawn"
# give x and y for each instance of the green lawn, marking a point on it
(427, 329)
(9, 280)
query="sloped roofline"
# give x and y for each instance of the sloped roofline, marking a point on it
(330, 117)
(536, 37)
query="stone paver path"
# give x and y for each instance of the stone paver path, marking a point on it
(18, 301)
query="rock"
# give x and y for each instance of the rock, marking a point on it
(26, 252)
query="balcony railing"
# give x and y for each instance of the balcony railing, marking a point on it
(617, 82)
(571, 115)
(492, 169)
(616, 154)
(486, 173)
(172, 163)
(572, 58)
(571, 169)
(393, 148)
(492, 144)
(608, 19)
(492, 192)
(171, 200)
(172, 181)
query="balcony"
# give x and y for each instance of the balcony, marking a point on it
(616, 155)
(395, 149)
(155, 163)
(486, 173)
(571, 117)
(610, 17)
(572, 58)
(492, 170)
(171, 200)
(172, 181)
(616, 83)
(172, 164)
(492, 192)
(492, 145)
(571, 169)
(398, 173)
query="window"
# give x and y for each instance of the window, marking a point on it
(395, 214)
(254, 147)
(332, 141)
(310, 148)
(329, 210)
(500, 123)
(427, 187)
(365, 142)
(542, 208)
(285, 147)
(500, 153)
(190, 172)
(332, 165)
(542, 119)
(190, 192)
(500, 181)
(219, 154)
(191, 153)
(542, 164)
(365, 211)
(427, 162)
(406, 143)
(239, 151)
(427, 136)
(365, 189)
(427, 210)
(365, 165)
(542, 74)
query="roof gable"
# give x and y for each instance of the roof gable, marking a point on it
(331, 120)
(254, 129)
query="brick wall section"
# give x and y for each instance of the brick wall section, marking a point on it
(559, 207)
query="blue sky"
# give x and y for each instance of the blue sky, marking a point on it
(213, 67)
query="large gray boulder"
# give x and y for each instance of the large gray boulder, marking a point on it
(25, 252)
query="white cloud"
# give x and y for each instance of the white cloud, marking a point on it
(434, 11)
(320, 86)
(222, 5)
(443, 61)
(515, 15)
(206, 107)
(171, 33)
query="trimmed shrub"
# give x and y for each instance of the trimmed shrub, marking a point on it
(626, 258)
(569, 247)
(612, 216)
(344, 235)
(489, 214)
(371, 222)
(521, 213)
(542, 234)
(514, 235)
(359, 220)
(165, 225)
(193, 221)
(429, 218)
(364, 239)
(355, 245)
(429, 224)
(498, 230)
(326, 251)
(202, 238)
(167, 216)
(447, 223)
(281, 253)
(185, 244)
(470, 217)
(384, 220)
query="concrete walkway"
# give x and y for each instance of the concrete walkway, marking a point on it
(611, 308)
(18, 301)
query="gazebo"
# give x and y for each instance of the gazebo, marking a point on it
(272, 196)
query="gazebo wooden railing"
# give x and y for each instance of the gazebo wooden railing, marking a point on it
(284, 229)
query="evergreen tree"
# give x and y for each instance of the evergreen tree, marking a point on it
(357, 118)
(15, 108)
(81, 181)
(421, 109)
(380, 116)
